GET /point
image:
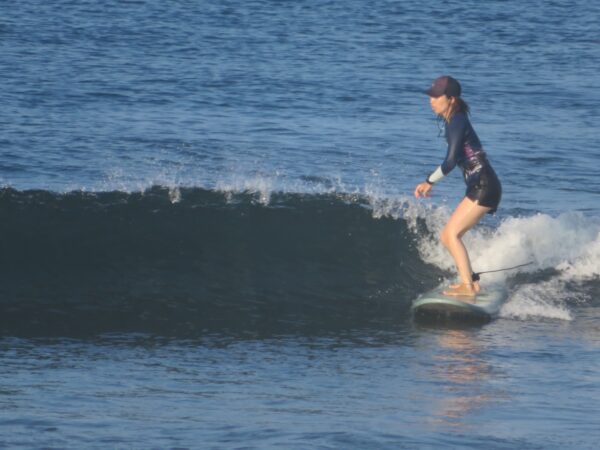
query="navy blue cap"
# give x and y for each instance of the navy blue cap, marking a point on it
(445, 85)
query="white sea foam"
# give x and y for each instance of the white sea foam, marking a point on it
(578, 253)
(174, 195)
(586, 265)
(549, 300)
(262, 186)
(568, 243)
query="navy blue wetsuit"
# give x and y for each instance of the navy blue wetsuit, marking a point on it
(466, 151)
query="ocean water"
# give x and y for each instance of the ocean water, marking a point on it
(209, 238)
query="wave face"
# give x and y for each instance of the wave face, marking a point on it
(184, 261)
(194, 260)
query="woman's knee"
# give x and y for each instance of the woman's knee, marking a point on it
(447, 236)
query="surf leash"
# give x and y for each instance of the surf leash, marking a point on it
(475, 275)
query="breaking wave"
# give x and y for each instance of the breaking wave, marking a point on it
(192, 260)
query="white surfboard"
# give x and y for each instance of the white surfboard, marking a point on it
(486, 306)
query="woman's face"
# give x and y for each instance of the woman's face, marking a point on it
(439, 105)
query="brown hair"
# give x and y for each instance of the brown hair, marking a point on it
(459, 106)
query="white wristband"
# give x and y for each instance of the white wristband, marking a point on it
(436, 176)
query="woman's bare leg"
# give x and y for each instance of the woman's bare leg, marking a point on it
(466, 215)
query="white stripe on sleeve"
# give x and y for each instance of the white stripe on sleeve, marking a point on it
(436, 176)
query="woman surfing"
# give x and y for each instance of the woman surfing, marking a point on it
(483, 187)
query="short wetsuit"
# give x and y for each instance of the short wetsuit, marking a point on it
(466, 151)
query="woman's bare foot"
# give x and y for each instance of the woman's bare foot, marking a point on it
(476, 286)
(466, 290)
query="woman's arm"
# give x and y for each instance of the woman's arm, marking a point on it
(455, 133)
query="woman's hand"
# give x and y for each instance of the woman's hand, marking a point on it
(423, 189)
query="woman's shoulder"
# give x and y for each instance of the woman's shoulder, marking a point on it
(458, 121)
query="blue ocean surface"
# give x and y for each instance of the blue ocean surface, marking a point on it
(210, 238)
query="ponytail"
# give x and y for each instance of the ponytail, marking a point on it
(459, 106)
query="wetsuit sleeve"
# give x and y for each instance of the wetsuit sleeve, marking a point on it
(456, 141)
(455, 132)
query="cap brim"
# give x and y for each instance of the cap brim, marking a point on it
(432, 93)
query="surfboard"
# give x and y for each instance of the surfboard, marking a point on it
(435, 305)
